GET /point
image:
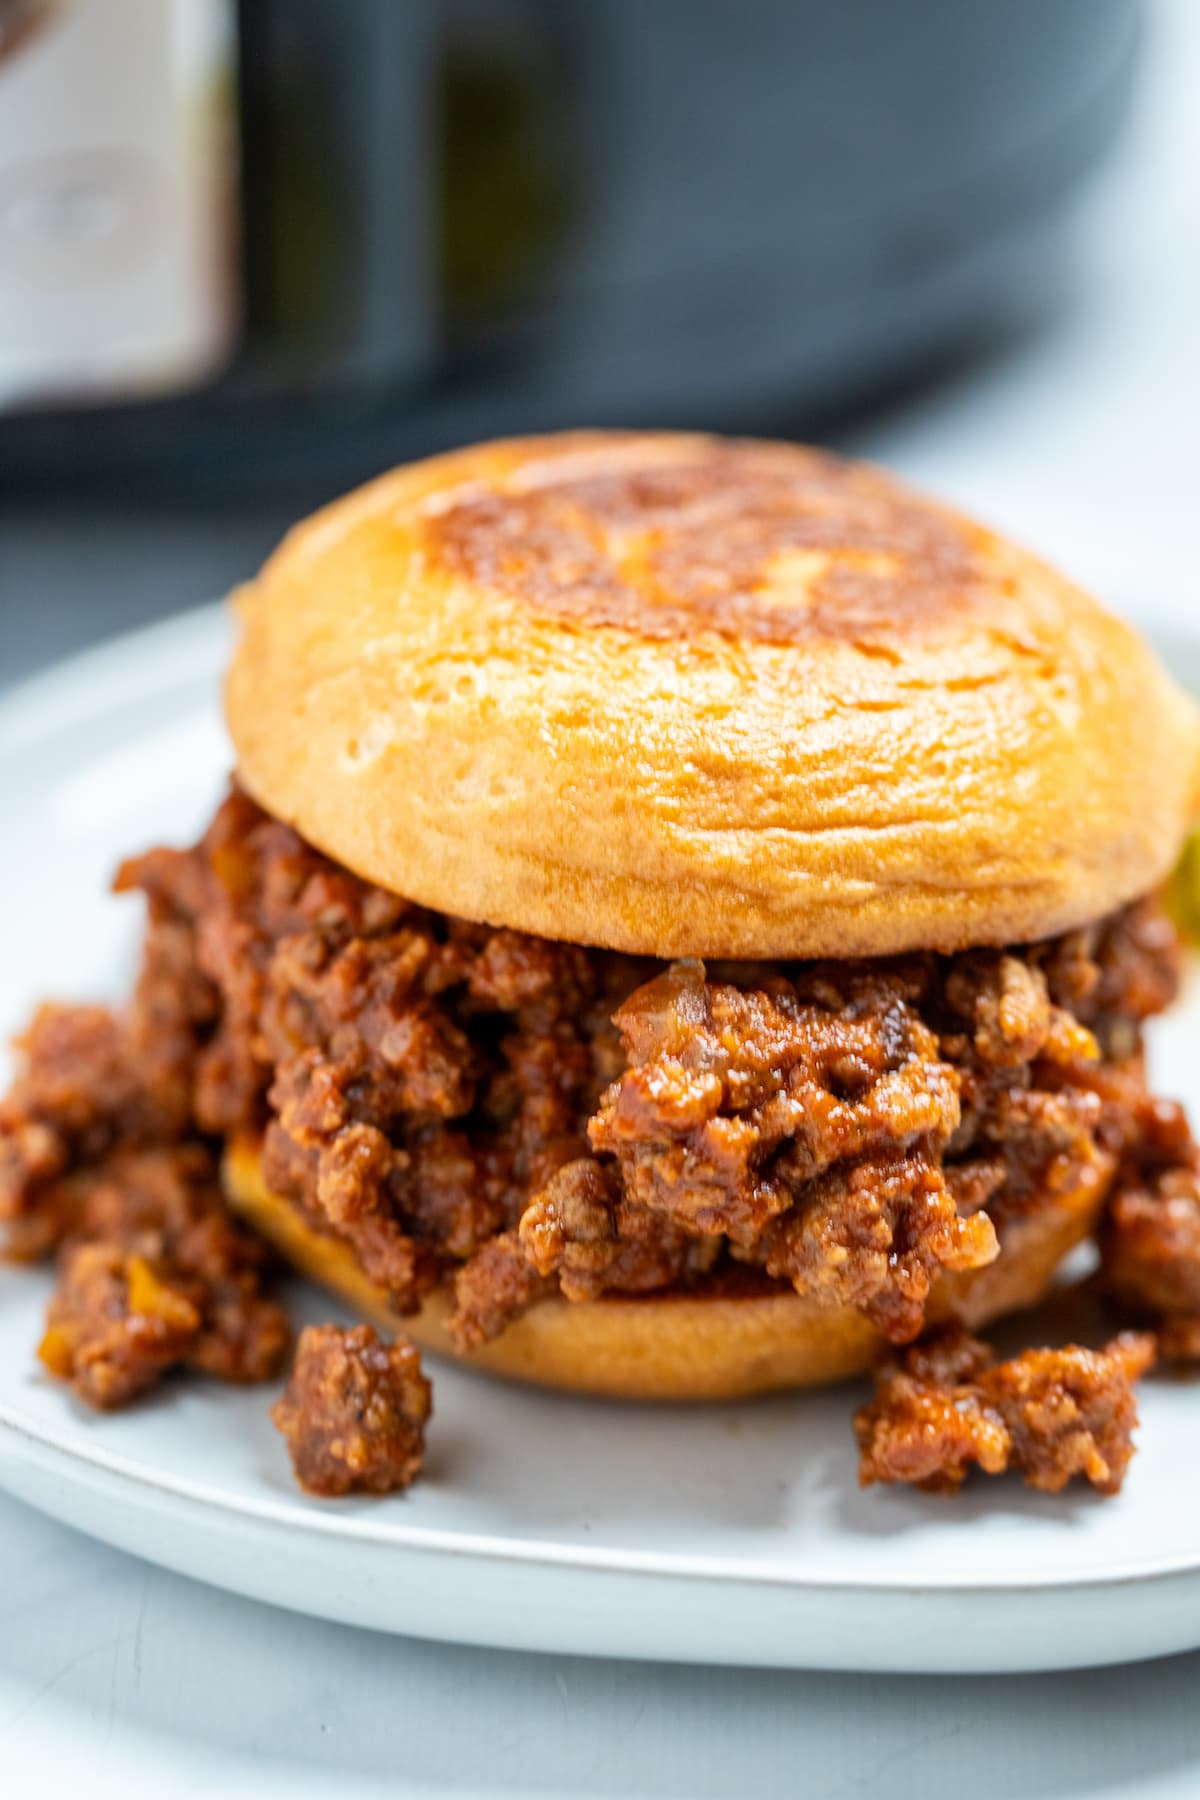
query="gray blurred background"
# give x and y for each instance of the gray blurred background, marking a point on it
(249, 255)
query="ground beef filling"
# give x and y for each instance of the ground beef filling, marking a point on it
(523, 1117)
(453, 1100)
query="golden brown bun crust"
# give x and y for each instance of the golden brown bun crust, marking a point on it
(721, 1345)
(678, 695)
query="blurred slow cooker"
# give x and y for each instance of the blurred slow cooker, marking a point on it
(238, 242)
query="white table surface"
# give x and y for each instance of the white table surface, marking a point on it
(118, 1679)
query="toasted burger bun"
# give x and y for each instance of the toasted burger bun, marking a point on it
(678, 695)
(747, 1336)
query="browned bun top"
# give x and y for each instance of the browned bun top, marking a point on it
(681, 695)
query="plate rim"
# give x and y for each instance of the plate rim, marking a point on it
(105, 676)
(40, 1447)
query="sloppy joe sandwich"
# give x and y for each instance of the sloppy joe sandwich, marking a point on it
(684, 923)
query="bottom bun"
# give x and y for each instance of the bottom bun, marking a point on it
(734, 1336)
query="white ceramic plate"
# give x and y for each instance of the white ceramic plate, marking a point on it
(728, 1534)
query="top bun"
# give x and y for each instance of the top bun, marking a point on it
(689, 696)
